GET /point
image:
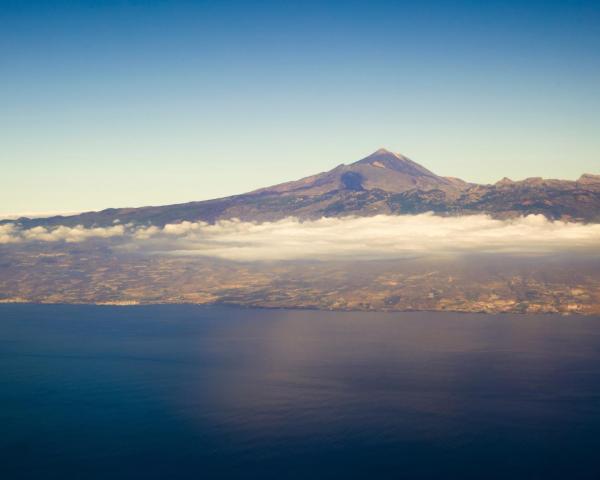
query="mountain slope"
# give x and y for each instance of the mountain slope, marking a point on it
(382, 170)
(383, 182)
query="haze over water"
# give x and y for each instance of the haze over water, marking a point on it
(212, 392)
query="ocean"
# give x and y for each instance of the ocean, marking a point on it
(194, 392)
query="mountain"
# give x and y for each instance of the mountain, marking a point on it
(383, 182)
(382, 170)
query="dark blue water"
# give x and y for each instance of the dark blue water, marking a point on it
(192, 392)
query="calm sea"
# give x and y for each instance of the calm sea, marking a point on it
(178, 392)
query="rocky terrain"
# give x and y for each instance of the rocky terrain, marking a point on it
(92, 273)
(104, 270)
(383, 182)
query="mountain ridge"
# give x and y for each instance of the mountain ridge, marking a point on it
(383, 182)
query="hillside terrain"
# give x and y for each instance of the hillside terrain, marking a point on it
(94, 273)
(382, 183)
(466, 263)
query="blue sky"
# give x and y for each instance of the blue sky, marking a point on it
(114, 103)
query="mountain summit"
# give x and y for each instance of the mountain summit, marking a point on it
(383, 158)
(381, 183)
(382, 170)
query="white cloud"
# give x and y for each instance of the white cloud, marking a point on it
(381, 236)
(10, 233)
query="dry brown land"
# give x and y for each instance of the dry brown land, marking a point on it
(97, 274)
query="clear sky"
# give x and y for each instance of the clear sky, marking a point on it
(130, 103)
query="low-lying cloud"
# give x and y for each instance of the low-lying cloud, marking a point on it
(10, 233)
(380, 236)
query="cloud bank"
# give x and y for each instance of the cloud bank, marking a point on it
(380, 236)
(10, 233)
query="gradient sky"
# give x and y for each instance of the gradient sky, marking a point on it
(114, 103)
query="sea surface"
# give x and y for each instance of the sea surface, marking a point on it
(178, 392)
